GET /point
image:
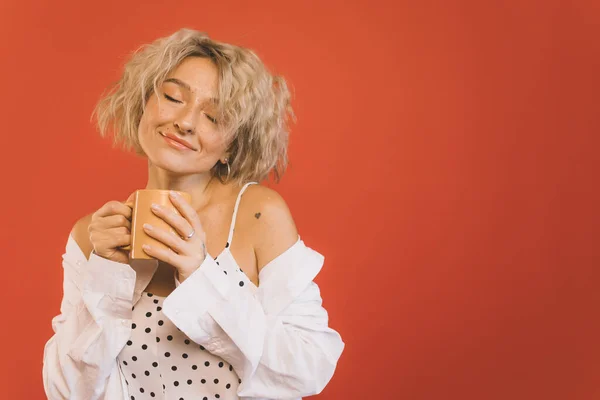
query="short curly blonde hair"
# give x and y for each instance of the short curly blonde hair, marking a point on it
(254, 106)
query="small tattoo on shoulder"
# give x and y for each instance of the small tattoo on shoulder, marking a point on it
(257, 215)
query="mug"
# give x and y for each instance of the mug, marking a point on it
(142, 213)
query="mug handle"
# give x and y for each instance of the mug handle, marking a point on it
(130, 202)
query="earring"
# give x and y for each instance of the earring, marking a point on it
(228, 171)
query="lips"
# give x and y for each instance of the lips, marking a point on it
(170, 137)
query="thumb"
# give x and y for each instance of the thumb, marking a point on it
(129, 201)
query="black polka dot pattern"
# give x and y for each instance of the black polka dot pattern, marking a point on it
(160, 361)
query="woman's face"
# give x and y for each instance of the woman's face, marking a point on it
(178, 131)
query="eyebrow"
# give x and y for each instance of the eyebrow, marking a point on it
(184, 85)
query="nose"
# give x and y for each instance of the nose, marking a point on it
(184, 127)
(185, 123)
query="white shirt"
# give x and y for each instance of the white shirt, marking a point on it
(275, 336)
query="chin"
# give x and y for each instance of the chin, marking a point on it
(163, 157)
(170, 162)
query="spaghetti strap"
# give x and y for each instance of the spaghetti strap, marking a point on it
(235, 210)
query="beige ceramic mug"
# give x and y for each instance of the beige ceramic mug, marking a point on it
(142, 213)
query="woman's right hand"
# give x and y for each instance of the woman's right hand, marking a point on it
(110, 230)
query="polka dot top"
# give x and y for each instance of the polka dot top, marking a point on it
(160, 362)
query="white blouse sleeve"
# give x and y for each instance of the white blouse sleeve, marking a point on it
(93, 326)
(276, 337)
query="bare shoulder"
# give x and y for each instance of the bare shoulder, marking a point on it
(272, 223)
(81, 235)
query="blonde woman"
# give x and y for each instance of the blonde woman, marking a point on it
(230, 311)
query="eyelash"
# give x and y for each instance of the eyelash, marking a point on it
(171, 99)
(211, 119)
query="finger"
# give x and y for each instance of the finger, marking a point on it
(114, 208)
(115, 221)
(130, 198)
(110, 238)
(130, 202)
(187, 211)
(112, 225)
(179, 223)
(165, 255)
(169, 239)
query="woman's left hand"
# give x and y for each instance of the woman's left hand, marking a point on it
(184, 253)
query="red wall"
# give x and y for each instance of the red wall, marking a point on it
(445, 161)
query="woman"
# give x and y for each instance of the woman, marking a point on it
(224, 313)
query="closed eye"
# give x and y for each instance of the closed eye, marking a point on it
(211, 119)
(171, 99)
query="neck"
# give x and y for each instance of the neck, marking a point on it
(201, 186)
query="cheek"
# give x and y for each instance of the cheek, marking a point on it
(153, 116)
(212, 141)
(143, 129)
(146, 129)
(156, 112)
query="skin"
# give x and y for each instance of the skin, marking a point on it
(183, 106)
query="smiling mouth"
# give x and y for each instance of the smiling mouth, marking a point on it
(176, 142)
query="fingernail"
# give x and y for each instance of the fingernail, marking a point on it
(147, 227)
(146, 247)
(174, 194)
(155, 206)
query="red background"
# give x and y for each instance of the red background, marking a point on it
(444, 161)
